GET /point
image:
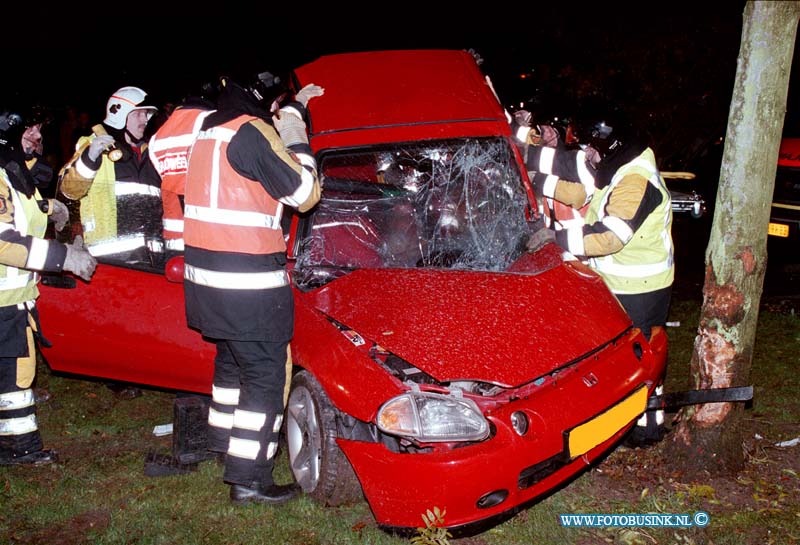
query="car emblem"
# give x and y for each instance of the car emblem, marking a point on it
(590, 380)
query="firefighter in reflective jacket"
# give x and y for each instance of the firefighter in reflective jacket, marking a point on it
(116, 184)
(627, 231)
(562, 204)
(23, 251)
(169, 152)
(241, 174)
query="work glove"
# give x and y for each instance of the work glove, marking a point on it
(539, 237)
(593, 156)
(60, 215)
(99, 145)
(290, 127)
(79, 261)
(548, 136)
(308, 92)
(521, 125)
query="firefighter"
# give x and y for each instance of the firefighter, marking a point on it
(117, 186)
(33, 147)
(169, 152)
(626, 235)
(562, 202)
(244, 167)
(23, 252)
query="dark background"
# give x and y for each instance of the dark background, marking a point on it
(671, 67)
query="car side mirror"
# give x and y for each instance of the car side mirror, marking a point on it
(174, 269)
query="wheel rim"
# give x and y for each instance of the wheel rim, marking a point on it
(303, 438)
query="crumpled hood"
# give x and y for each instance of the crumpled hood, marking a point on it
(502, 328)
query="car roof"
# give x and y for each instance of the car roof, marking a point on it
(438, 93)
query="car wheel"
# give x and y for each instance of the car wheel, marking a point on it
(318, 464)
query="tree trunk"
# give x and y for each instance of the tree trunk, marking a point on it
(708, 437)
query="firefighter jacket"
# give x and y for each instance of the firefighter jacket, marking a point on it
(169, 152)
(563, 202)
(240, 176)
(23, 249)
(120, 201)
(627, 235)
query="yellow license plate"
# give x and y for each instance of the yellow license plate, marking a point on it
(588, 435)
(778, 230)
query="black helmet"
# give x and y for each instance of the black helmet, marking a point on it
(601, 125)
(266, 88)
(602, 134)
(12, 125)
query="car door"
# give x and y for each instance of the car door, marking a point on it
(127, 324)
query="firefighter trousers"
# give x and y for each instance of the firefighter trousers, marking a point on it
(247, 404)
(19, 432)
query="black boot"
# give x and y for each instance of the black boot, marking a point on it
(273, 494)
(35, 458)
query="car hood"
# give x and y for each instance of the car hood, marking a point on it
(503, 328)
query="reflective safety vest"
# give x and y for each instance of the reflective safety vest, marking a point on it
(19, 285)
(169, 151)
(226, 212)
(99, 208)
(645, 263)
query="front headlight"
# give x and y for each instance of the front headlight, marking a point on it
(429, 417)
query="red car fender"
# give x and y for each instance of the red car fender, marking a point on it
(354, 383)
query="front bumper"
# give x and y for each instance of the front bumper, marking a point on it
(497, 477)
(692, 203)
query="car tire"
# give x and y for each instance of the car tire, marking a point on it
(318, 464)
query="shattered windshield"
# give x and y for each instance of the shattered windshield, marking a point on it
(457, 204)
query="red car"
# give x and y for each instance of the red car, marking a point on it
(439, 361)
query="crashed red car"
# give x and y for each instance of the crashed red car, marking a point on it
(438, 360)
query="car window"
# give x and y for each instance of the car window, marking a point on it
(787, 185)
(135, 243)
(457, 204)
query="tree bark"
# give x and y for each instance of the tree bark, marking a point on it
(708, 437)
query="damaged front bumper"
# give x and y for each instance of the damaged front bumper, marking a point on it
(573, 420)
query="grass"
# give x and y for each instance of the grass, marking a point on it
(98, 493)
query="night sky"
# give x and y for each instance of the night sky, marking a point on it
(68, 60)
(681, 58)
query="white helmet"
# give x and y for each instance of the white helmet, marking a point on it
(123, 102)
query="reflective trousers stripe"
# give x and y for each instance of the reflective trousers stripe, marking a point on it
(225, 396)
(248, 420)
(219, 419)
(16, 400)
(249, 449)
(18, 426)
(243, 448)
